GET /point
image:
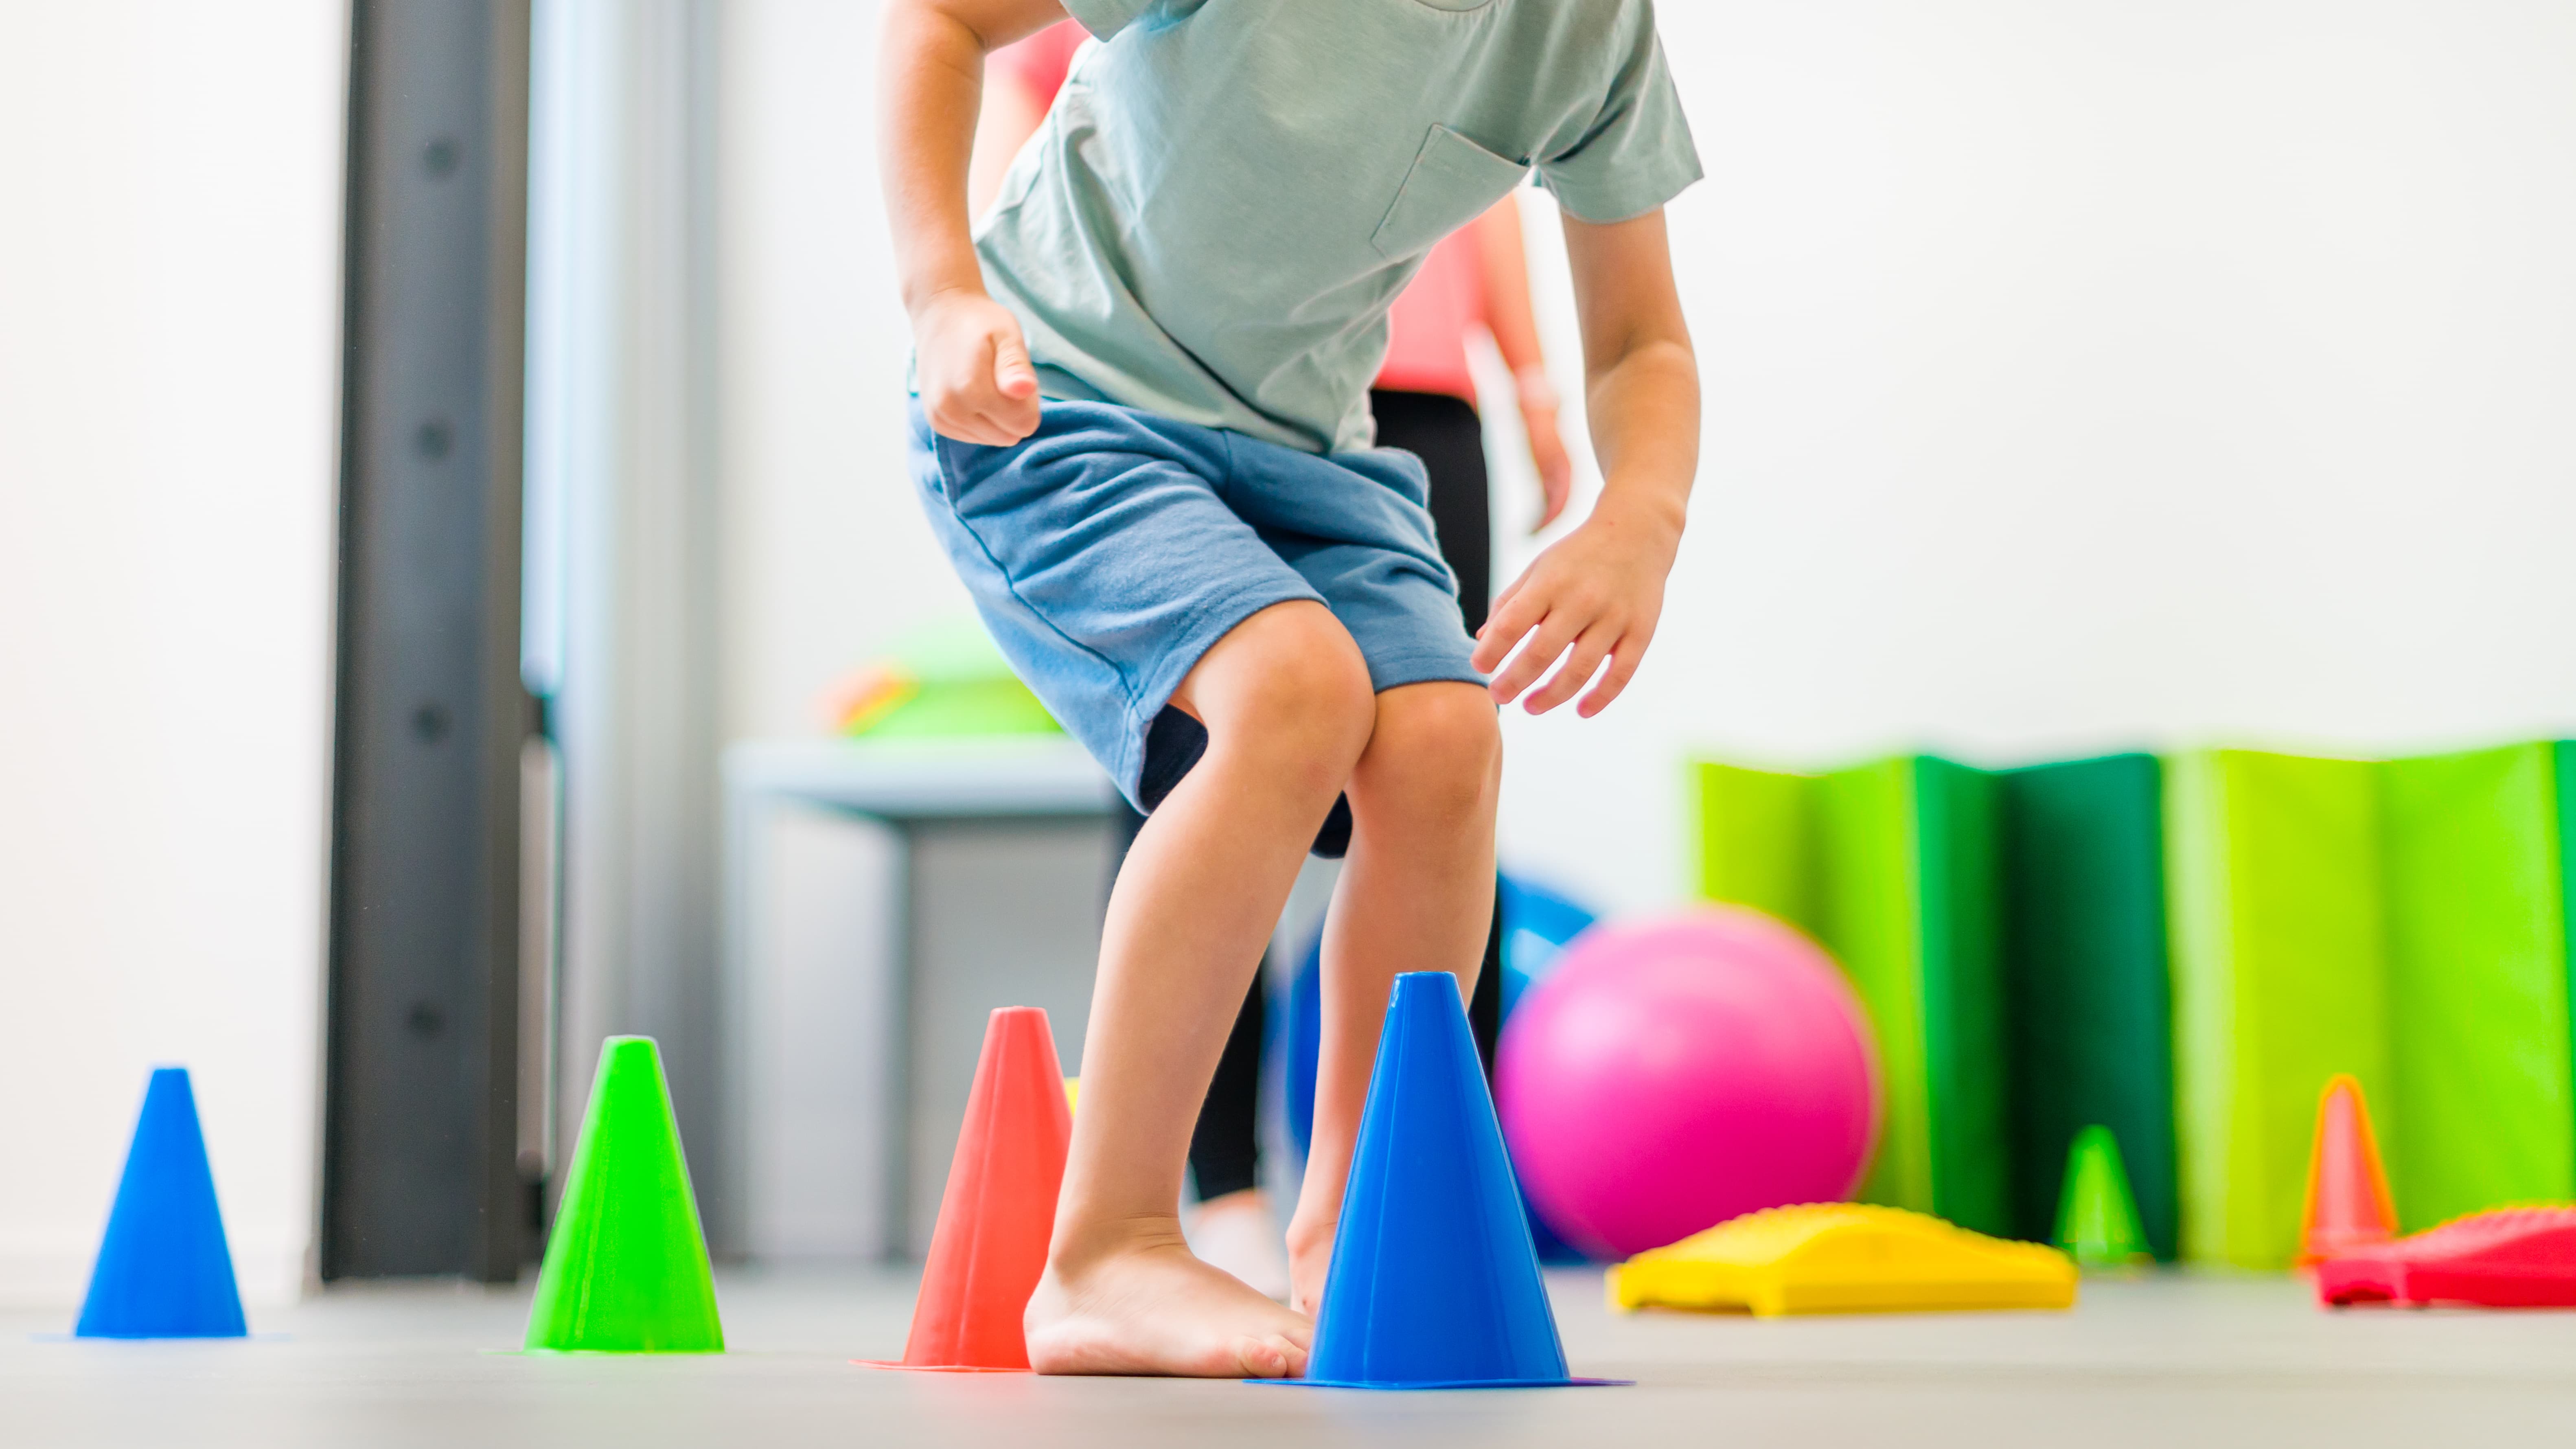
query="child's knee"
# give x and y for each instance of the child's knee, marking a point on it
(1436, 751)
(1290, 685)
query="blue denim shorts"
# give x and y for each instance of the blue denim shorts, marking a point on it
(1109, 549)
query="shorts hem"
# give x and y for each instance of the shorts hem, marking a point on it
(1154, 689)
(1426, 667)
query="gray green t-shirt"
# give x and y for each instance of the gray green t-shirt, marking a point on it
(1228, 194)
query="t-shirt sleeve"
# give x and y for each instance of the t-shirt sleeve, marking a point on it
(1105, 18)
(1637, 153)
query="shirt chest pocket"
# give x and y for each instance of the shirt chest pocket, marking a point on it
(1452, 181)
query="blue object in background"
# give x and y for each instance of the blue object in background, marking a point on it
(163, 1270)
(1537, 924)
(1434, 1281)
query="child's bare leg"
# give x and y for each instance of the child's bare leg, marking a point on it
(1286, 701)
(1416, 894)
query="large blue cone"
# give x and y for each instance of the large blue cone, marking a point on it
(1434, 1283)
(1536, 925)
(163, 1270)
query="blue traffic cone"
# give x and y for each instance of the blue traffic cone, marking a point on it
(163, 1270)
(1434, 1282)
(1302, 1037)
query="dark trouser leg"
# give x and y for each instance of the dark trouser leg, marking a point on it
(1225, 1148)
(1444, 433)
(1485, 1003)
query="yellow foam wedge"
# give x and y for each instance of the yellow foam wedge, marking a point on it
(1843, 1258)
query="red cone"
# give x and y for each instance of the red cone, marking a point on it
(999, 1209)
(2349, 1205)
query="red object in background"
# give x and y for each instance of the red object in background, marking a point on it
(998, 1212)
(2507, 1258)
(1040, 61)
(1427, 329)
(2349, 1206)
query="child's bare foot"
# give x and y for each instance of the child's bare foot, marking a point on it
(1146, 1306)
(1310, 1254)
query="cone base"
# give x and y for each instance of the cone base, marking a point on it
(936, 1368)
(1447, 1384)
(610, 1352)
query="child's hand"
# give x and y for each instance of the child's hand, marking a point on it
(973, 370)
(1599, 591)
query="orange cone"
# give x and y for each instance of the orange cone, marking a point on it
(2349, 1205)
(999, 1208)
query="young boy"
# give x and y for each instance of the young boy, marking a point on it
(1142, 434)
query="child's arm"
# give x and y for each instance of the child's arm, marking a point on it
(1600, 589)
(968, 358)
(1011, 115)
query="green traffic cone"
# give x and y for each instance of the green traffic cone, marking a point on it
(626, 1267)
(2097, 1220)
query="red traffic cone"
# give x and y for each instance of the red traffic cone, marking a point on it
(999, 1208)
(2349, 1205)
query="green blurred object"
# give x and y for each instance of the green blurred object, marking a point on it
(1891, 865)
(940, 681)
(2097, 1218)
(626, 1267)
(2087, 983)
(2563, 761)
(2477, 984)
(2184, 953)
(2277, 887)
(1757, 841)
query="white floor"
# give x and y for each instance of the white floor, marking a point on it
(2167, 1360)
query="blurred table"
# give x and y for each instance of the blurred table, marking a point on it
(904, 780)
(879, 900)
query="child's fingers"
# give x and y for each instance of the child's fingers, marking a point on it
(1013, 376)
(959, 404)
(978, 385)
(1546, 642)
(1625, 656)
(980, 428)
(1494, 611)
(1014, 419)
(950, 420)
(990, 432)
(988, 419)
(955, 415)
(1576, 672)
(1505, 623)
(1013, 404)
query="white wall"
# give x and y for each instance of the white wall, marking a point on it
(827, 555)
(2078, 375)
(169, 281)
(2085, 375)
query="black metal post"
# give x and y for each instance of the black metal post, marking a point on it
(420, 1170)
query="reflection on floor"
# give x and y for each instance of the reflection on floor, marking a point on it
(2166, 1360)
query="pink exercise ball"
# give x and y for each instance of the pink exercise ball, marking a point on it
(1671, 1074)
